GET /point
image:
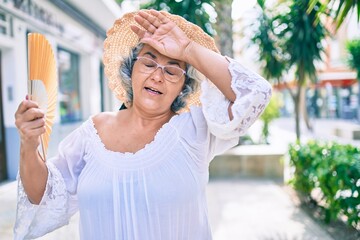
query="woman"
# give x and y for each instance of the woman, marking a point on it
(141, 173)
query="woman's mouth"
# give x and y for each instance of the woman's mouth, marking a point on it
(153, 90)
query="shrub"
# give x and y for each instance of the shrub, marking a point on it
(332, 169)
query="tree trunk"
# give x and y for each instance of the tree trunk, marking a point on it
(297, 120)
(224, 27)
(297, 98)
(304, 110)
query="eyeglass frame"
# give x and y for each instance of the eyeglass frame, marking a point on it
(158, 65)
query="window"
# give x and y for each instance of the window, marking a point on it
(4, 24)
(69, 90)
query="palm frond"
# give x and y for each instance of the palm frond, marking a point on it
(341, 9)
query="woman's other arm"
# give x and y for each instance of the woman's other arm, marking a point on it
(29, 119)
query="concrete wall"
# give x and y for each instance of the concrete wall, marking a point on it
(248, 161)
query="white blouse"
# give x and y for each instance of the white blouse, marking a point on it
(157, 193)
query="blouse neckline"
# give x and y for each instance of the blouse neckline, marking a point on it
(149, 154)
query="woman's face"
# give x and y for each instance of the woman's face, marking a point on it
(152, 91)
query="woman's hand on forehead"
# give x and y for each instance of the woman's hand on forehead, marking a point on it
(161, 33)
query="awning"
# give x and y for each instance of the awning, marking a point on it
(335, 79)
(337, 82)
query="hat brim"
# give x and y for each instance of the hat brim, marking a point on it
(121, 40)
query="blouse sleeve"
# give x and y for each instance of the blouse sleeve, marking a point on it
(59, 202)
(252, 96)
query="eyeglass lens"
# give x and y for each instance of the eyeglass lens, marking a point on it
(171, 73)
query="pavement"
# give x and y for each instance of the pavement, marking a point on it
(239, 209)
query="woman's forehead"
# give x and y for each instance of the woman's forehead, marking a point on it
(156, 55)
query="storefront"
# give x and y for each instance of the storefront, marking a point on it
(76, 30)
(335, 96)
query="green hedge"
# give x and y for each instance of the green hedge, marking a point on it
(334, 169)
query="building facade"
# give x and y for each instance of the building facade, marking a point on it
(76, 30)
(336, 93)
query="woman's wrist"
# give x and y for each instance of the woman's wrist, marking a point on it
(189, 51)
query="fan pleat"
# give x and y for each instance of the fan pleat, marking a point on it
(42, 84)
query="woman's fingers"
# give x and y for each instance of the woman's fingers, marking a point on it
(33, 128)
(28, 115)
(25, 114)
(25, 105)
(32, 114)
(151, 20)
(30, 121)
(138, 31)
(142, 20)
(30, 132)
(160, 17)
(38, 123)
(152, 17)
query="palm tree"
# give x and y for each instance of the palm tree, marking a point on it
(192, 10)
(294, 42)
(340, 9)
(270, 53)
(271, 60)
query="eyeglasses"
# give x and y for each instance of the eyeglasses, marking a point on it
(171, 73)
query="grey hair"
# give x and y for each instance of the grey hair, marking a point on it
(192, 80)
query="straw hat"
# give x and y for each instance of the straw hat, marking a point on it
(121, 39)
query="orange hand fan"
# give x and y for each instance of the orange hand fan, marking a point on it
(42, 83)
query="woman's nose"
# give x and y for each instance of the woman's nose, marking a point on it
(158, 75)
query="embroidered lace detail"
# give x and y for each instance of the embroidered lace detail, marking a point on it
(159, 135)
(33, 221)
(252, 96)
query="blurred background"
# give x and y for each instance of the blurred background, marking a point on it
(294, 175)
